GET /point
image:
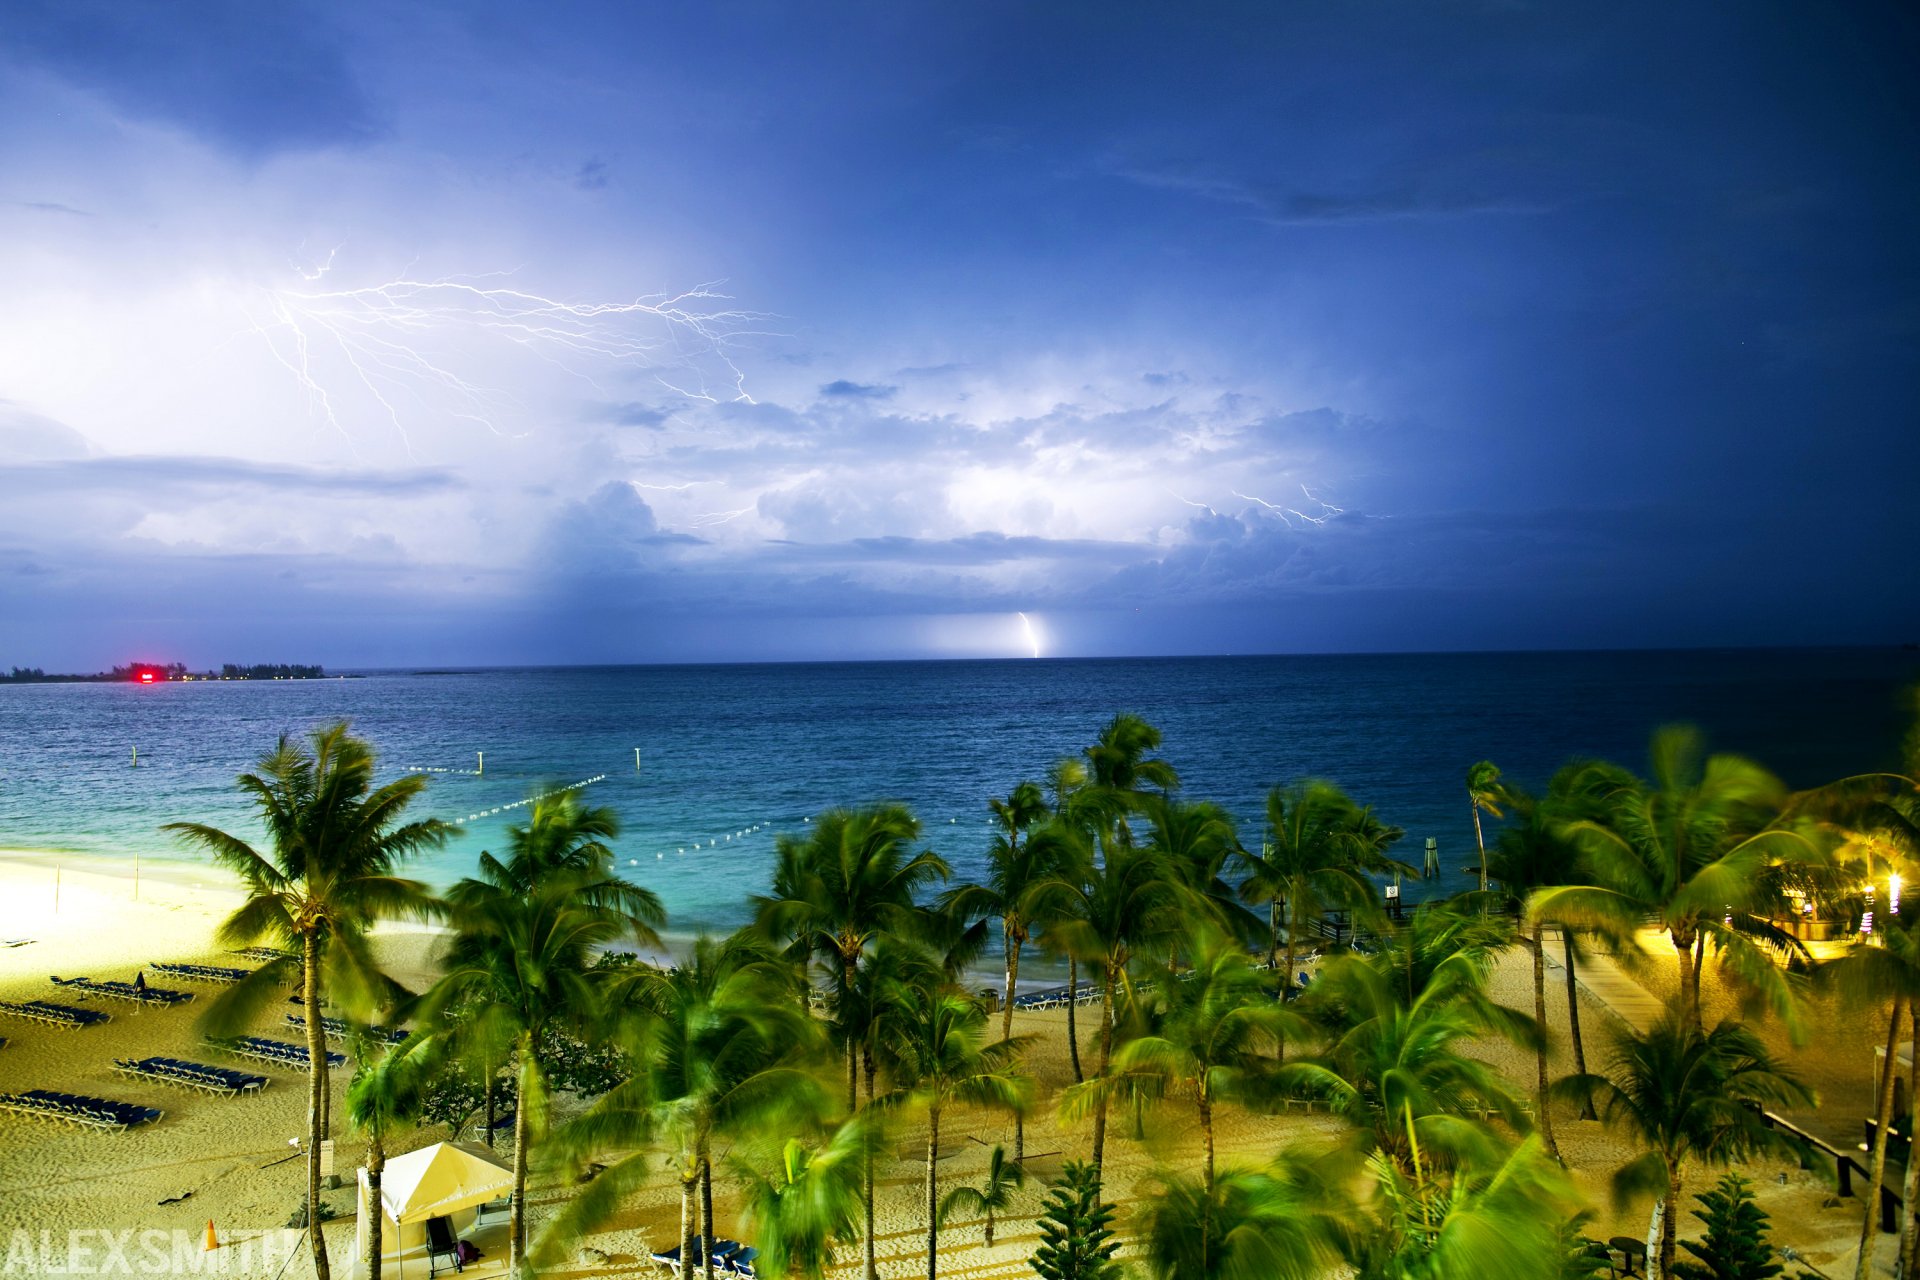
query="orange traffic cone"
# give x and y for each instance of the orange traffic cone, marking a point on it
(213, 1241)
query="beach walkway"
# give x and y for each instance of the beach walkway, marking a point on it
(1619, 992)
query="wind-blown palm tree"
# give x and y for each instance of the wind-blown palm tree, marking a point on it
(521, 968)
(1131, 905)
(384, 1092)
(1695, 848)
(1689, 1095)
(932, 1043)
(852, 878)
(808, 1204)
(725, 1046)
(1875, 975)
(1213, 1033)
(993, 1196)
(1319, 848)
(1197, 840)
(1484, 795)
(1012, 869)
(1393, 1067)
(335, 842)
(1249, 1224)
(1534, 854)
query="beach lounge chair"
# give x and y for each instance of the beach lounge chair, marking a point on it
(53, 1015)
(193, 1075)
(668, 1258)
(79, 1109)
(442, 1244)
(132, 993)
(201, 972)
(741, 1263)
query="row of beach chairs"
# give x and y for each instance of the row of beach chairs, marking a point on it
(200, 972)
(53, 1015)
(730, 1258)
(277, 1052)
(337, 1029)
(79, 1109)
(1058, 998)
(192, 1075)
(262, 953)
(125, 991)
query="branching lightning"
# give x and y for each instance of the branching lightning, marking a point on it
(712, 518)
(394, 340)
(1327, 509)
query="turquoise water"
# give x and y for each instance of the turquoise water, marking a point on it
(732, 755)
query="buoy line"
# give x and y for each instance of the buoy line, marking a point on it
(519, 804)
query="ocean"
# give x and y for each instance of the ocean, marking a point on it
(731, 756)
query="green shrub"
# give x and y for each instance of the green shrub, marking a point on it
(1076, 1235)
(1736, 1245)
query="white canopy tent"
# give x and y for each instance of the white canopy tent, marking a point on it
(446, 1180)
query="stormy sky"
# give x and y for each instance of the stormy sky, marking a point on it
(371, 334)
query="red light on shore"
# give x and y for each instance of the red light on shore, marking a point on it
(146, 677)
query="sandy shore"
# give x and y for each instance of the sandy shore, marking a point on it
(230, 1154)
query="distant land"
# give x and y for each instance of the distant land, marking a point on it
(161, 673)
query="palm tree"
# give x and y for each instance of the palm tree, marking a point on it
(1130, 905)
(725, 1046)
(1319, 849)
(1393, 1066)
(1533, 854)
(993, 1195)
(1250, 1224)
(1483, 796)
(1695, 848)
(852, 878)
(335, 841)
(932, 1044)
(1214, 1029)
(1197, 840)
(1012, 869)
(384, 1091)
(1687, 1095)
(1501, 1215)
(808, 1204)
(521, 966)
(1119, 762)
(1874, 975)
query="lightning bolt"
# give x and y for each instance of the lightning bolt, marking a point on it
(1033, 638)
(391, 338)
(1190, 502)
(1327, 509)
(712, 518)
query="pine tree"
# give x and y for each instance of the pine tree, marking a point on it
(1736, 1246)
(1076, 1236)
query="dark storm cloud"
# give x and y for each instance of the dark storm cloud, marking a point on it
(842, 388)
(252, 78)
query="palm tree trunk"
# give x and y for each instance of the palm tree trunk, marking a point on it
(1073, 1034)
(517, 1224)
(1689, 978)
(1206, 1128)
(489, 1110)
(376, 1165)
(872, 1269)
(1910, 1183)
(1286, 982)
(1883, 1117)
(933, 1192)
(989, 1226)
(1273, 933)
(1013, 976)
(1540, 1054)
(1573, 1025)
(1699, 967)
(689, 1185)
(316, 1098)
(706, 1211)
(1667, 1216)
(1106, 1054)
(1480, 839)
